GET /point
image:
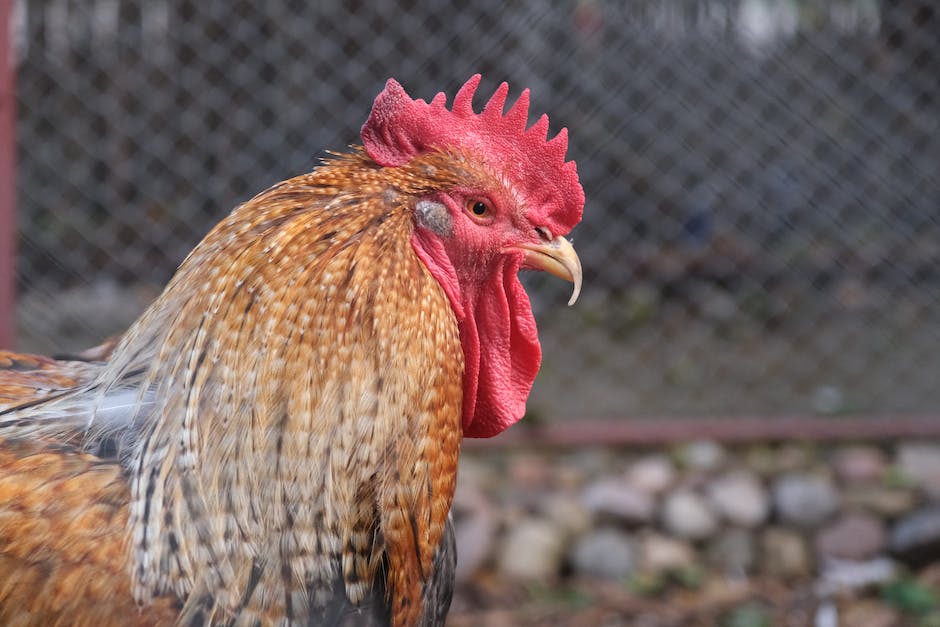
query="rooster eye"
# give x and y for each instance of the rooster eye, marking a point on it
(478, 208)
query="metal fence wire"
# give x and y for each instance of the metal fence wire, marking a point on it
(762, 231)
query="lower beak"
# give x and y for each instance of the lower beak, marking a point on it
(556, 257)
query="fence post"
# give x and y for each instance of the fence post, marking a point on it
(7, 173)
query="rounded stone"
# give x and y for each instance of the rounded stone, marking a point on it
(653, 474)
(604, 554)
(661, 554)
(733, 552)
(702, 455)
(475, 529)
(614, 499)
(784, 554)
(740, 498)
(855, 536)
(529, 471)
(532, 549)
(805, 500)
(688, 515)
(920, 462)
(915, 538)
(859, 464)
(567, 511)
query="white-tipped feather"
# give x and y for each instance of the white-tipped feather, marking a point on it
(86, 417)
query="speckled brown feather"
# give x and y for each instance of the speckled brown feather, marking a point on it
(310, 378)
(27, 378)
(63, 549)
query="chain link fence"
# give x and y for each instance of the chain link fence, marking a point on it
(762, 231)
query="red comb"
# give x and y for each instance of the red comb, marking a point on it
(400, 128)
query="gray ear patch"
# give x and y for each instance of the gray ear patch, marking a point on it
(434, 216)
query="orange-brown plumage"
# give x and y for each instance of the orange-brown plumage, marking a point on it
(275, 440)
(63, 549)
(25, 378)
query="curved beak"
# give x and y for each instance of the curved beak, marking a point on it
(556, 257)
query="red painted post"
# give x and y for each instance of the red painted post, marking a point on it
(7, 173)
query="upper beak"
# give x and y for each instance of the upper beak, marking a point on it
(556, 257)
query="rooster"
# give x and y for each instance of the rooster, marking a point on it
(275, 439)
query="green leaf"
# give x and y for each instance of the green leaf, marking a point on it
(910, 596)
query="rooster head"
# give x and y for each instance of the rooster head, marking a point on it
(500, 198)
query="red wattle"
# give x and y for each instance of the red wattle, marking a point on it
(498, 335)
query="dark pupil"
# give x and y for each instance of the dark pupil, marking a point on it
(479, 208)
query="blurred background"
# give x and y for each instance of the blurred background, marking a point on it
(761, 238)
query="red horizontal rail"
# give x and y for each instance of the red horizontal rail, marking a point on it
(731, 430)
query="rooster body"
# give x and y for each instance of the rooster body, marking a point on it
(275, 440)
